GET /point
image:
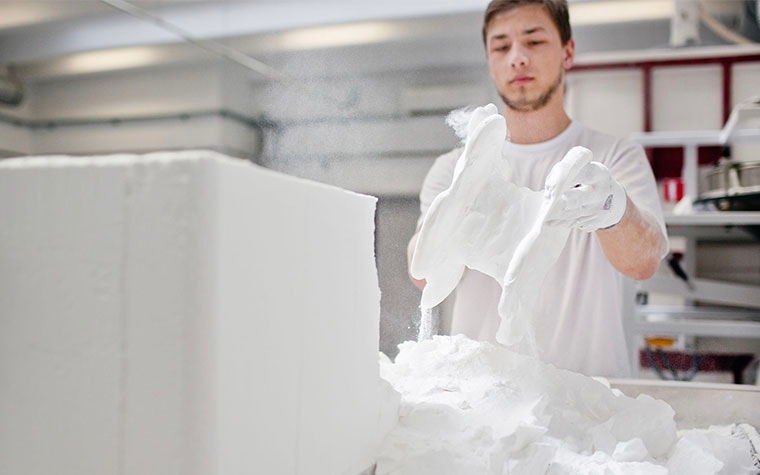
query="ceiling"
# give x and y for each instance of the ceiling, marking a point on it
(37, 31)
(41, 38)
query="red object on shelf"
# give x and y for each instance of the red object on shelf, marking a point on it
(672, 189)
(667, 162)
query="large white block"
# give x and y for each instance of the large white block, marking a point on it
(184, 314)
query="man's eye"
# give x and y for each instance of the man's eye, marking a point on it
(502, 48)
(535, 42)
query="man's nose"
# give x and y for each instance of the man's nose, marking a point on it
(518, 57)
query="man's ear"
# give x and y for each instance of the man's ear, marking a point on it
(569, 54)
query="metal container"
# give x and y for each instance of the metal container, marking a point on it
(696, 404)
(733, 185)
(699, 405)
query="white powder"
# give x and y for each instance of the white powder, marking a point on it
(474, 408)
(427, 324)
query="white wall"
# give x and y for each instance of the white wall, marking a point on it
(609, 100)
(687, 98)
(683, 97)
(14, 139)
(358, 131)
(175, 107)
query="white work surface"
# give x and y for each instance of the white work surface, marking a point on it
(184, 313)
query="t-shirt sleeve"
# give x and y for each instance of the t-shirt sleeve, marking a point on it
(630, 167)
(437, 180)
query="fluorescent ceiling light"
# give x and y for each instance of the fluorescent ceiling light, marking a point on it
(17, 14)
(109, 60)
(337, 35)
(23, 14)
(618, 11)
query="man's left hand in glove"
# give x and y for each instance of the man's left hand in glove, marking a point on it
(597, 201)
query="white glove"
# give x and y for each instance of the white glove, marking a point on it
(479, 116)
(597, 201)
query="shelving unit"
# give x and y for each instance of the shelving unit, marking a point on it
(741, 320)
(726, 309)
(691, 141)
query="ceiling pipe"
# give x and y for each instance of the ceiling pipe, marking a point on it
(719, 28)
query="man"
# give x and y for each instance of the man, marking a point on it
(577, 322)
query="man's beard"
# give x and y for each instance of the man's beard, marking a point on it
(524, 104)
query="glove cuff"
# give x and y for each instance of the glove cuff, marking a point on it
(625, 208)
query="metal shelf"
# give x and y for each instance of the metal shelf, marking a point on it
(714, 218)
(685, 138)
(691, 140)
(698, 321)
(712, 328)
(653, 312)
(706, 290)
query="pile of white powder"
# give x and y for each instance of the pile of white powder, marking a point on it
(473, 408)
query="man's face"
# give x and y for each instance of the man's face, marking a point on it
(526, 57)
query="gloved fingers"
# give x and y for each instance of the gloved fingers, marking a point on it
(603, 216)
(586, 195)
(588, 223)
(568, 216)
(577, 204)
(564, 173)
(566, 209)
(581, 219)
(581, 197)
(592, 190)
(478, 116)
(593, 174)
(484, 143)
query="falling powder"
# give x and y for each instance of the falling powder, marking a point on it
(426, 324)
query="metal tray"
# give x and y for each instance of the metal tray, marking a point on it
(732, 186)
(700, 405)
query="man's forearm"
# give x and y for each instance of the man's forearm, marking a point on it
(635, 245)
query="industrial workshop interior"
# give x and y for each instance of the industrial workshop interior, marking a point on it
(219, 253)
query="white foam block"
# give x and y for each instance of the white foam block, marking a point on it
(184, 313)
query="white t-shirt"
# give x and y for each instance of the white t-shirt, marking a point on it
(578, 318)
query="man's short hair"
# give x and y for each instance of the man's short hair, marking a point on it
(557, 10)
